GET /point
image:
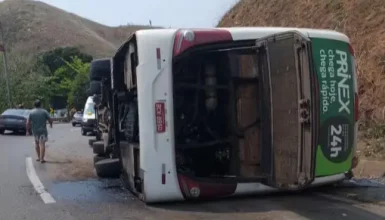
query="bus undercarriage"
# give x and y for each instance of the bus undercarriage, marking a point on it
(222, 119)
(217, 114)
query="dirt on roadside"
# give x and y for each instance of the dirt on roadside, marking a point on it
(369, 169)
(69, 167)
(76, 170)
(371, 151)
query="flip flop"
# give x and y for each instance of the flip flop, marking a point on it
(37, 159)
(43, 161)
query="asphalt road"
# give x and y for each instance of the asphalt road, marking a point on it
(69, 178)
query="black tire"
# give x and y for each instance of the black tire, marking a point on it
(98, 148)
(100, 69)
(99, 158)
(84, 133)
(98, 136)
(106, 87)
(108, 168)
(2, 131)
(73, 124)
(91, 142)
(95, 87)
(131, 132)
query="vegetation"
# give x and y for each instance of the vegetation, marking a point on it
(76, 86)
(360, 20)
(58, 77)
(357, 19)
(34, 27)
(49, 51)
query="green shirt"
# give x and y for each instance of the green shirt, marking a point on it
(38, 118)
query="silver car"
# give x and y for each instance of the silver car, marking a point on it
(77, 118)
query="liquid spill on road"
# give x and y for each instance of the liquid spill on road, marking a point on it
(361, 189)
(365, 182)
(94, 191)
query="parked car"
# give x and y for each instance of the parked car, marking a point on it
(89, 118)
(77, 118)
(14, 120)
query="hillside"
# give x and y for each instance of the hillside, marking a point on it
(362, 21)
(33, 26)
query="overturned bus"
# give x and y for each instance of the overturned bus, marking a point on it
(207, 113)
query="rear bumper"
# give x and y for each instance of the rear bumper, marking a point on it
(89, 125)
(13, 127)
(76, 121)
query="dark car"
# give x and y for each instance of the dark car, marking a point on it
(77, 119)
(14, 120)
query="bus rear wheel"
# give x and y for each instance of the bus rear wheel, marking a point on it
(98, 158)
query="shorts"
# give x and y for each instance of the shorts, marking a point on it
(42, 138)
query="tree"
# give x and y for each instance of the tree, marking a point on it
(76, 82)
(26, 83)
(53, 59)
(59, 75)
(30, 79)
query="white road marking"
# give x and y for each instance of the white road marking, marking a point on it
(37, 184)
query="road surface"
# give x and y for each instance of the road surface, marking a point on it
(68, 189)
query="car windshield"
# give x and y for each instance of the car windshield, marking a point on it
(78, 114)
(17, 112)
(90, 109)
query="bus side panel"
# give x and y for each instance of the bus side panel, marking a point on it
(335, 74)
(157, 152)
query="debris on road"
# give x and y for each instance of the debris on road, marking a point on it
(364, 182)
(69, 167)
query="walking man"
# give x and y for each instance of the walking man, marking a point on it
(37, 122)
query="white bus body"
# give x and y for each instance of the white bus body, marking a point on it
(153, 173)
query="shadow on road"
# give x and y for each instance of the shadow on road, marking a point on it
(307, 204)
(58, 162)
(13, 134)
(361, 190)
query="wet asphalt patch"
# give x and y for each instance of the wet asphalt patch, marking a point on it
(92, 191)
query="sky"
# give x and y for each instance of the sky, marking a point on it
(165, 13)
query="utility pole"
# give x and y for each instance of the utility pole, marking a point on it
(2, 49)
